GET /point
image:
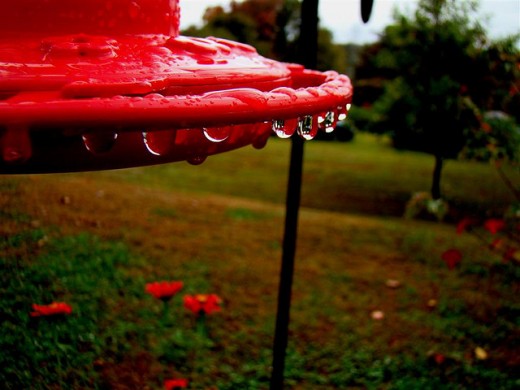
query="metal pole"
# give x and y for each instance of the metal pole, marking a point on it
(308, 43)
(366, 9)
(287, 269)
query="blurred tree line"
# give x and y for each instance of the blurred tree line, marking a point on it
(272, 27)
(433, 81)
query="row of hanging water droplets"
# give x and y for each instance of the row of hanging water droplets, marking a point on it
(17, 147)
(161, 142)
(308, 126)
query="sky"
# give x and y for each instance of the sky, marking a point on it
(342, 17)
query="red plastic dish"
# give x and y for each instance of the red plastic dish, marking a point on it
(89, 85)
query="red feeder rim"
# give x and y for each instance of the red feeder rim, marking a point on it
(90, 85)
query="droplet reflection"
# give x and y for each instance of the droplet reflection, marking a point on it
(159, 142)
(342, 113)
(100, 142)
(217, 134)
(307, 127)
(197, 160)
(284, 128)
(328, 124)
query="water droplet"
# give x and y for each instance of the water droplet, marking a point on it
(217, 134)
(154, 96)
(100, 142)
(307, 127)
(197, 160)
(159, 142)
(249, 96)
(284, 128)
(328, 124)
(16, 145)
(342, 113)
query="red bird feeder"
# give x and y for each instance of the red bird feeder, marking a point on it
(98, 84)
(104, 84)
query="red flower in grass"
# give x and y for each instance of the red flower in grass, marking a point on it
(486, 127)
(163, 290)
(464, 224)
(202, 303)
(439, 358)
(452, 257)
(175, 384)
(494, 225)
(55, 308)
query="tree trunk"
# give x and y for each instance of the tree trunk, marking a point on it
(436, 181)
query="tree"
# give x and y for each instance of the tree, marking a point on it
(330, 55)
(259, 23)
(436, 70)
(236, 26)
(272, 27)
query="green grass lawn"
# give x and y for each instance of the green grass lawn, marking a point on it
(95, 239)
(365, 176)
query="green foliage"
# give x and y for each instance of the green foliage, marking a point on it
(497, 140)
(330, 56)
(440, 74)
(120, 337)
(254, 22)
(429, 59)
(440, 67)
(81, 270)
(246, 214)
(270, 26)
(357, 177)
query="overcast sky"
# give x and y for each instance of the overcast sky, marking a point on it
(343, 18)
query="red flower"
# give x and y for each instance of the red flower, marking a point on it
(486, 127)
(494, 225)
(163, 290)
(202, 303)
(439, 358)
(452, 257)
(175, 384)
(464, 224)
(55, 308)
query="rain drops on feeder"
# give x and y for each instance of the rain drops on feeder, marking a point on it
(94, 87)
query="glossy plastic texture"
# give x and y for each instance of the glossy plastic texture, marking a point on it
(111, 84)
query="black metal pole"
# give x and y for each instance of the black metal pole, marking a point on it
(308, 46)
(308, 56)
(366, 9)
(287, 268)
